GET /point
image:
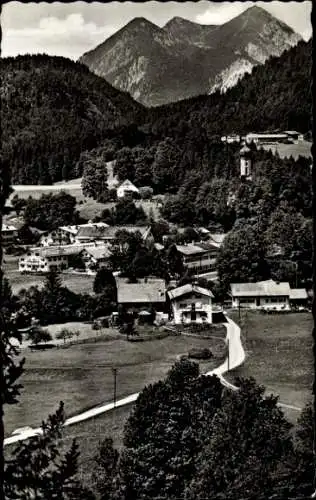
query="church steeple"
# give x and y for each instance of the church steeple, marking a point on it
(245, 163)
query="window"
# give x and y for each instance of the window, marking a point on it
(183, 305)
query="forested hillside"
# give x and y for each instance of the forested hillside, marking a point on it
(51, 110)
(54, 109)
(276, 95)
(184, 138)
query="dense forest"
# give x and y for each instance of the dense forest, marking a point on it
(280, 89)
(54, 109)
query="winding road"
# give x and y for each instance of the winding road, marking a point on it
(236, 356)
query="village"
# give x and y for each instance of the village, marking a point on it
(156, 245)
(85, 249)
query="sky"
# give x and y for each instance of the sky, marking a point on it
(71, 29)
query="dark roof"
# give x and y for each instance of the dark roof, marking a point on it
(110, 232)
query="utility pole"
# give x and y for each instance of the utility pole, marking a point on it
(228, 355)
(114, 371)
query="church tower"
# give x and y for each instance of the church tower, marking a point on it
(245, 163)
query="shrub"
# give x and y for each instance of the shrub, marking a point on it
(204, 353)
(38, 335)
(64, 334)
(146, 192)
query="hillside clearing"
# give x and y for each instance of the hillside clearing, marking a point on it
(302, 148)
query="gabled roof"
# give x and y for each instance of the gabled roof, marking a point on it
(196, 249)
(99, 252)
(56, 251)
(187, 289)
(217, 238)
(189, 249)
(8, 227)
(266, 288)
(298, 294)
(109, 232)
(150, 291)
(128, 184)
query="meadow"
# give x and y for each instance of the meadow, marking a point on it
(278, 355)
(81, 375)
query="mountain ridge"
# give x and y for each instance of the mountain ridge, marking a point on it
(184, 58)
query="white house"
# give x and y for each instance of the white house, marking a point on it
(191, 304)
(261, 295)
(127, 187)
(294, 135)
(67, 235)
(45, 259)
(267, 138)
(9, 234)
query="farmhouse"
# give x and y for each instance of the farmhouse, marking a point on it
(261, 295)
(199, 258)
(43, 260)
(266, 138)
(191, 304)
(67, 235)
(294, 135)
(55, 238)
(9, 234)
(96, 257)
(298, 297)
(146, 293)
(107, 234)
(126, 188)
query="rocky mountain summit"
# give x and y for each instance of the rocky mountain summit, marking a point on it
(183, 59)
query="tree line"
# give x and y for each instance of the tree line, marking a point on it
(58, 117)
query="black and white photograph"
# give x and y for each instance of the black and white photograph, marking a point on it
(156, 251)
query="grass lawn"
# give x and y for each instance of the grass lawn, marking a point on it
(302, 148)
(90, 208)
(78, 283)
(81, 375)
(71, 187)
(279, 355)
(87, 207)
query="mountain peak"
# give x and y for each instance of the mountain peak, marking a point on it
(139, 23)
(177, 20)
(188, 57)
(259, 14)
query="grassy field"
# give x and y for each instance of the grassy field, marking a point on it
(279, 355)
(90, 208)
(87, 207)
(81, 375)
(302, 148)
(78, 283)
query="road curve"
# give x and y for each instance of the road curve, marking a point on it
(236, 356)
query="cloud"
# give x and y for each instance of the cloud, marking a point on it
(295, 14)
(68, 37)
(71, 29)
(222, 13)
